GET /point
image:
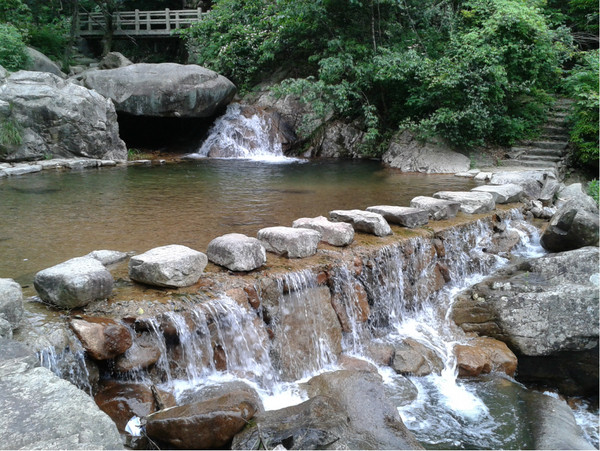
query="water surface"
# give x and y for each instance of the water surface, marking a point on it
(49, 217)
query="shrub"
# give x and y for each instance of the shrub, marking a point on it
(50, 39)
(593, 190)
(12, 48)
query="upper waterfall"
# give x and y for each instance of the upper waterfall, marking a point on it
(243, 132)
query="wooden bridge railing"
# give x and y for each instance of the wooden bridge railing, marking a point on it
(139, 23)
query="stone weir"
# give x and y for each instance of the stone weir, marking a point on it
(287, 320)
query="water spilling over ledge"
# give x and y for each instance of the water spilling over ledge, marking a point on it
(355, 307)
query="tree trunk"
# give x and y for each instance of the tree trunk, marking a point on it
(72, 35)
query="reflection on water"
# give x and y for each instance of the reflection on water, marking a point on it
(50, 217)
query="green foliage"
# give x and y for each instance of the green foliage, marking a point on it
(594, 190)
(12, 48)
(16, 13)
(50, 39)
(582, 85)
(10, 133)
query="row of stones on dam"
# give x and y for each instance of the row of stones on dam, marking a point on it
(81, 280)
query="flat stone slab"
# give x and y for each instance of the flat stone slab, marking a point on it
(22, 169)
(438, 209)
(363, 221)
(168, 266)
(290, 242)
(108, 257)
(503, 194)
(74, 283)
(237, 252)
(334, 233)
(470, 202)
(404, 216)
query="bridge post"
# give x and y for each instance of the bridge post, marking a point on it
(137, 21)
(168, 19)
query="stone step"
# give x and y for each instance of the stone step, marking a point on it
(558, 145)
(557, 122)
(535, 151)
(549, 158)
(550, 137)
(554, 130)
(529, 163)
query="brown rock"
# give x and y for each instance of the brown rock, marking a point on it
(347, 362)
(444, 271)
(240, 296)
(121, 401)
(322, 278)
(352, 304)
(208, 424)
(358, 266)
(102, 338)
(140, 357)
(380, 353)
(253, 298)
(440, 249)
(483, 355)
(414, 358)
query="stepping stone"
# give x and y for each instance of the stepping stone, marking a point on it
(363, 221)
(503, 194)
(483, 176)
(470, 202)
(237, 252)
(168, 266)
(334, 233)
(22, 169)
(438, 209)
(108, 257)
(290, 242)
(74, 283)
(404, 216)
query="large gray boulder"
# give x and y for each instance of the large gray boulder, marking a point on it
(334, 233)
(113, 60)
(571, 227)
(74, 283)
(503, 194)
(237, 252)
(363, 221)
(57, 118)
(540, 307)
(470, 202)
(290, 242)
(404, 216)
(575, 194)
(38, 62)
(532, 181)
(438, 209)
(168, 266)
(163, 90)
(409, 154)
(42, 411)
(11, 304)
(374, 422)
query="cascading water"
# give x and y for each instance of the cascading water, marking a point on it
(242, 134)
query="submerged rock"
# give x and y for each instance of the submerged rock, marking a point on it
(163, 90)
(237, 252)
(290, 242)
(363, 221)
(334, 233)
(438, 209)
(168, 266)
(74, 283)
(404, 216)
(58, 118)
(470, 202)
(409, 154)
(210, 424)
(373, 421)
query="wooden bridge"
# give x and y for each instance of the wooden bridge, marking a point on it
(139, 23)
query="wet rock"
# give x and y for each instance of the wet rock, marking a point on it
(503, 194)
(11, 305)
(123, 400)
(571, 228)
(113, 60)
(208, 392)
(74, 283)
(210, 424)
(483, 355)
(295, 349)
(107, 257)
(404, 216)
(504, 242)
(290, 242)
(415, 359)
(380, 353)
(102, 338)
(237, 252)
(438, 209)
(351, 305)
(351, 363)
(334, 233)
(168, 266)
(163, 90)
(539, 307)
(42, 411)
(373, 420)
(58, 118)
(470, 202)
(139, 356)
(409, 154)
(319, 423)
(363, 221)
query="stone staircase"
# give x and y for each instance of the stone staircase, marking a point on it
(550, 149)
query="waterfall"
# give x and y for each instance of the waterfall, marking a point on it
(69, 364)
(243, 133)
